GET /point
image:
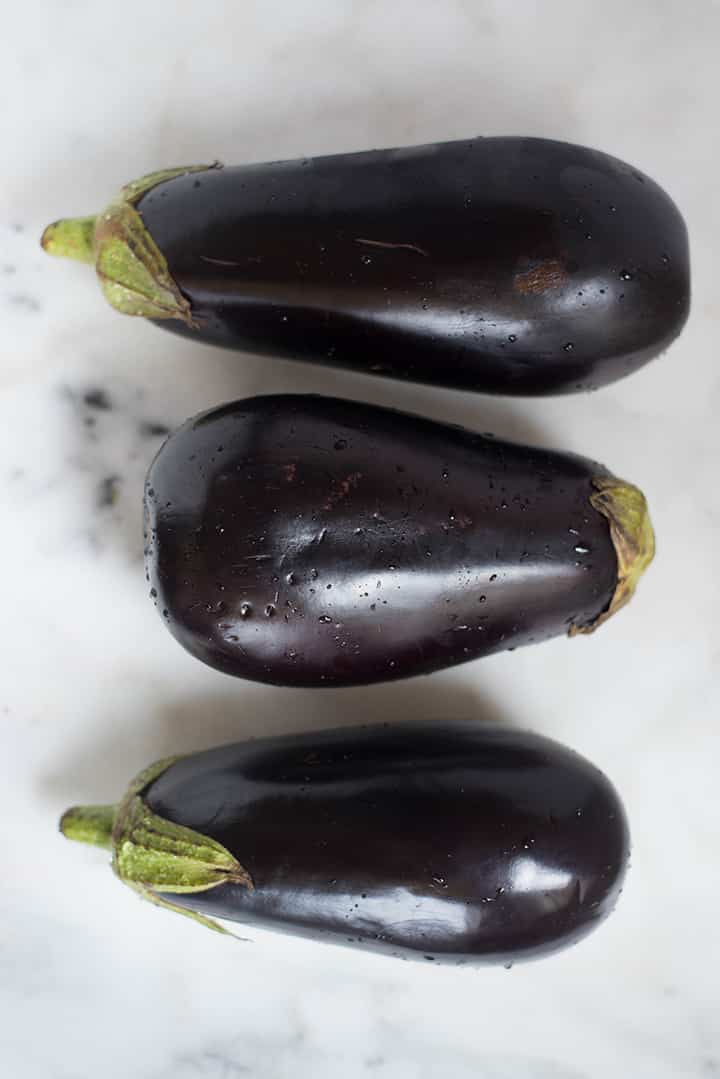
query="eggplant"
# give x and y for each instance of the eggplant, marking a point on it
(310, 541)
(506, 265)
(455, 841)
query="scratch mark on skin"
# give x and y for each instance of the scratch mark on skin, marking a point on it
(344, 488)
(382, 243)
(542, 277)
(230, 262)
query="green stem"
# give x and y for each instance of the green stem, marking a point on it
(72, 238)
(631, 531)
(89, 824)
(133, 272)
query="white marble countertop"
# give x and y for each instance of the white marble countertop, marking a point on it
(92, 981)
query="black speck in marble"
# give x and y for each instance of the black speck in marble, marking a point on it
(108, 491)
(150, 429)
(24, 300)
(97, 398)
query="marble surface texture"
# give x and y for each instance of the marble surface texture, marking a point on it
(92, 981)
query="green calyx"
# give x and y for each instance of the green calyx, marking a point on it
(153, 855)
(132, 270)
(631, 531)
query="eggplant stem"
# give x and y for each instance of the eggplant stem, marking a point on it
(626, 510)
(71, 238)
(90, 824)
(133, 273)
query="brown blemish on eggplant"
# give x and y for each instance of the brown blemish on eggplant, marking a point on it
(344, 488)
(540, 278)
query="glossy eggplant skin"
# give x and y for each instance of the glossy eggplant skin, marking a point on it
(302, 540)
(455, 841)
(505, 265)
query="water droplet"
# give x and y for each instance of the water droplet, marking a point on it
(166, 613)
(366, 259)
(292, 654)
(245, 610)
(439, 882)
(341, 444)
(568, 347)
(493, 576)
(578, 812)
(507, 966)
(665, 258)
(482, 599)
(512, 337)
(625, 275)
(153, 593)
(290, 578)
(579, 549)
(445, 473)
(588, 235)
(314, 574)
(612, 208)
(270, 610)
(325, 619)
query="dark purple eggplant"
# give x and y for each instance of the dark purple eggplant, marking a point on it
(304, 540)
(449, 840)
(507, 265)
